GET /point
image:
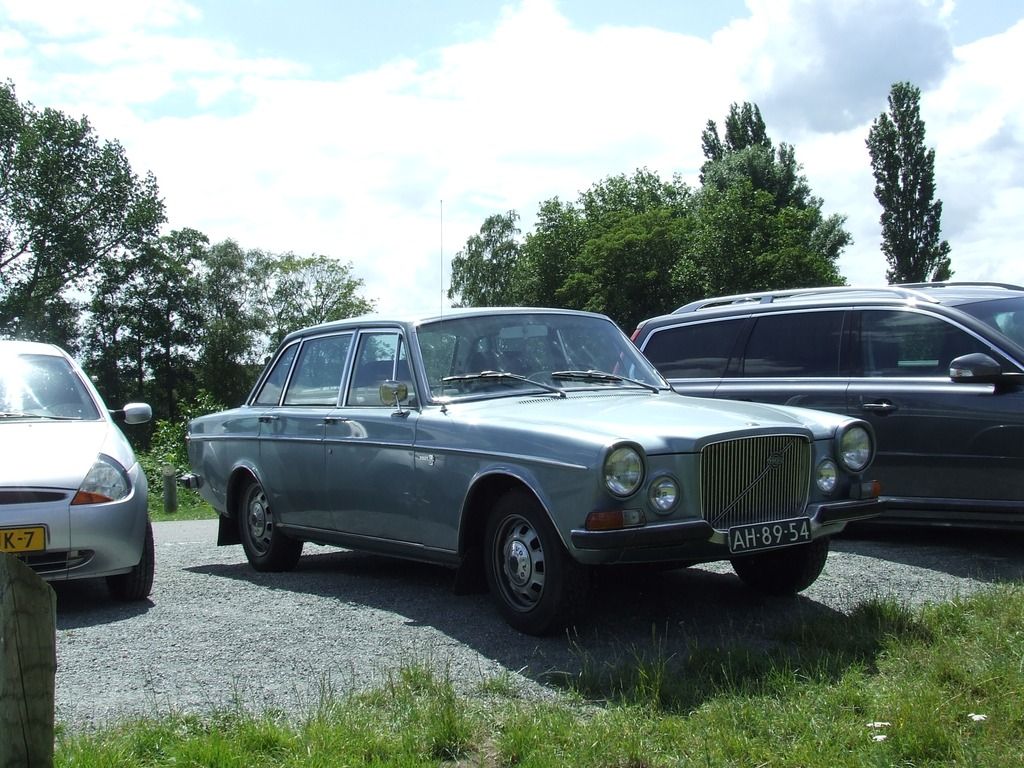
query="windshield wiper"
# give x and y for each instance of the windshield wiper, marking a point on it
(601, 376)
(23, 415)
(499, 375)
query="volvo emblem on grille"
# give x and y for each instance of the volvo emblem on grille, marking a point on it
(775, 461)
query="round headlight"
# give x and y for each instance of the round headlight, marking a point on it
(623, 470)
(855, 449)
(663, 494)
(828, 476)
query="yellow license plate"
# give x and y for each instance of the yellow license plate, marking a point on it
(28, 539)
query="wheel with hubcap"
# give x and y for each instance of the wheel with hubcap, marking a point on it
(267, 548)
(783, 571)
(537, 587)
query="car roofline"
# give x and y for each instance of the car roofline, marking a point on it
(916, 291)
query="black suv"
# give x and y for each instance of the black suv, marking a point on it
(937, 368)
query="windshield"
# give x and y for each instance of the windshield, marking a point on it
(493, 354)
(1005, 315)
(42, 386)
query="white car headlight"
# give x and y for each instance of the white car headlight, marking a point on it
(855, 448)
(663, 494)
(623, 470)
(106, 481)
(827, 476)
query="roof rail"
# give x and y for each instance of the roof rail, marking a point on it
(910, 291)
(958, 283)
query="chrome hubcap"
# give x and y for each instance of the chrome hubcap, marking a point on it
(520, 559)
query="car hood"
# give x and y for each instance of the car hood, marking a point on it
(56, 454)
(662, 423)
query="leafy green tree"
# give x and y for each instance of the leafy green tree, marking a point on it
(486, 272)
(756, 225)
(144, 320)
(548, 253)
(306, 290)
(232, 340)
(68, 202)
(904, 172)
(625, 270)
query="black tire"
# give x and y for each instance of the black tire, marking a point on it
(266, 548)
(138, 582)
(538, 588)
(783, 571)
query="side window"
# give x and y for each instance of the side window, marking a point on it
(693, 351)
(895, 343)
(380, 357)
(794, 344)
(317, 377)
(270, 392)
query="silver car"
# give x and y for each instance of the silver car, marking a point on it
(72, 496)
(522, 447)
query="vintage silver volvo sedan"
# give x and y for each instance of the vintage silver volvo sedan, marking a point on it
(522, 446)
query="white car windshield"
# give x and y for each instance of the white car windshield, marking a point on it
(43, 387)
(509, 353)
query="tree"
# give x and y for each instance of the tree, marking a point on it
(755, 224)
(144, 320)
(486, 272)
(232, 341)
(904, 171)
(68, 202)
(298, 291)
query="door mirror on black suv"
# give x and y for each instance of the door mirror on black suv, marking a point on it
(979, 368)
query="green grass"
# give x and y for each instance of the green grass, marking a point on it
(190, 506)
(885, 686)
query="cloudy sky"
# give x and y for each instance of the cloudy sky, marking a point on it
(383, 133)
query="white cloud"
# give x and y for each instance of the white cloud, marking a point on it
(265, 152)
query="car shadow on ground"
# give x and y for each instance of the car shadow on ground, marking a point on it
(87, 603)
(633, 613)
(989, 556)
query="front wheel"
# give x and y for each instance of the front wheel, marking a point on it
(538, 588)
(138, 582)
(783, 571)
(266, 548)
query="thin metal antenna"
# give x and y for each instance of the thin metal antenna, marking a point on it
(442, 257)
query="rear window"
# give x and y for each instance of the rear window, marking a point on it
(794, 344)
(694, 350)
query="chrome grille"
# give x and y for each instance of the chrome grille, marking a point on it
(754, 480)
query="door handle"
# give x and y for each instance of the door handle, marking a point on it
(266, 419)
(885, 406)
(336, 419)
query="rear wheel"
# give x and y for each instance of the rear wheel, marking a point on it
(538, 588)
(266, 548)
(138, 582)
(783, 571)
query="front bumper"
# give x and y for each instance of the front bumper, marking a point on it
(84, 541)
(696, 539)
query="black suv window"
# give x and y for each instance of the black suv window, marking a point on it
(794, 344)
(693, 351)
(898, 343)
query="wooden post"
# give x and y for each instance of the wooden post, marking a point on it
(28, 664)
(169, 474)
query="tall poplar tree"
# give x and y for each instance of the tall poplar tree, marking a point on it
(904, 170)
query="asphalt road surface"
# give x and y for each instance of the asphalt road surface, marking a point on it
(217, 634)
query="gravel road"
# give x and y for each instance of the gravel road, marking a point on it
(216, 633)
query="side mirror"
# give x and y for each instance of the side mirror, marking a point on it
(134, 413)
(979, 368)
(393, 392)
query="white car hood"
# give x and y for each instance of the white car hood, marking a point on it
(55, 454)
